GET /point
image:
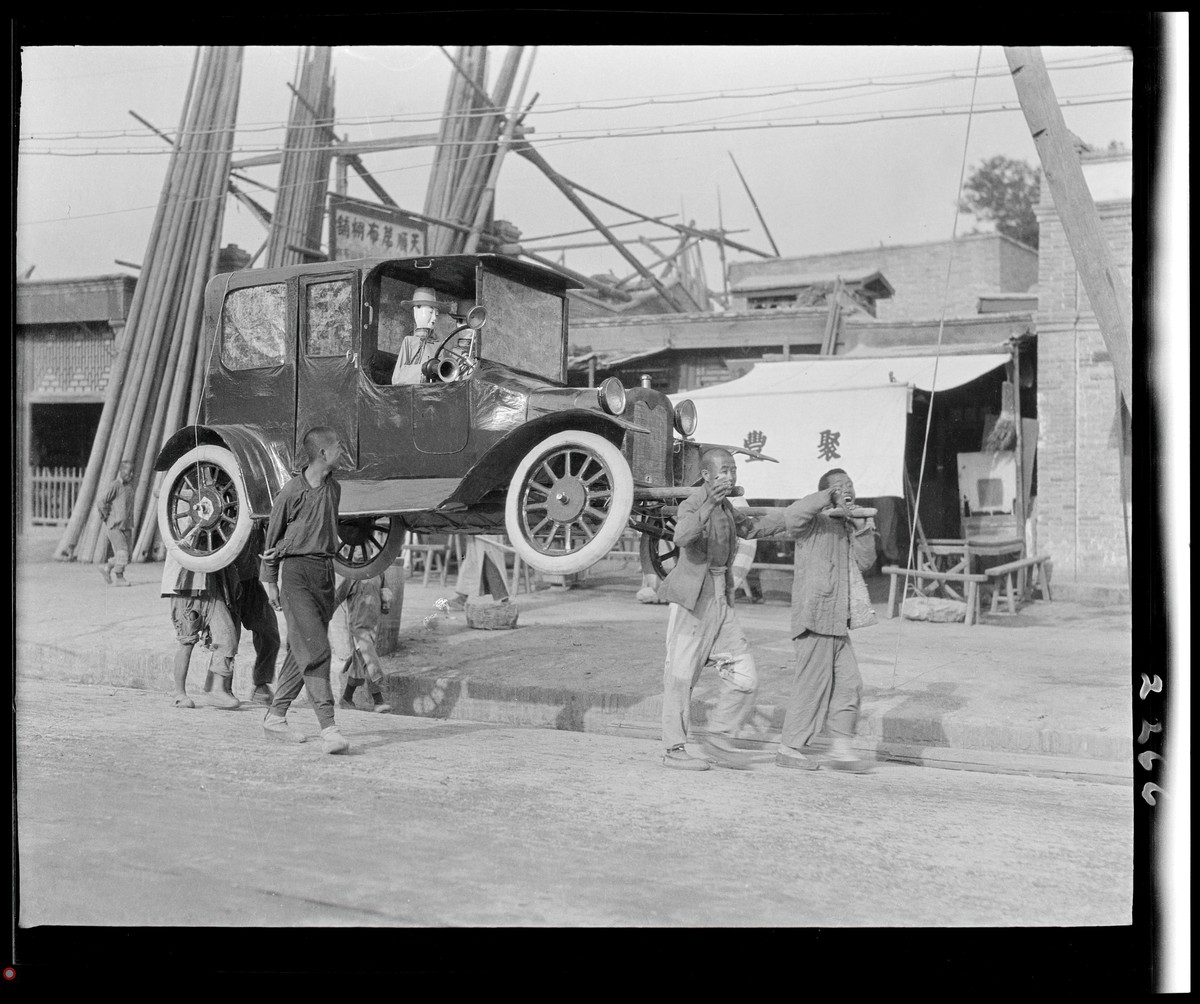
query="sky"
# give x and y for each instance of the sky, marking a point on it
(842, 147)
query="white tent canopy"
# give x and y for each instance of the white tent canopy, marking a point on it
(822, 412)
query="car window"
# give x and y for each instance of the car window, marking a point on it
(253, 326)
(330, 327)
(524, 327)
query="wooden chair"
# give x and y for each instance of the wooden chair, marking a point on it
(432, 550)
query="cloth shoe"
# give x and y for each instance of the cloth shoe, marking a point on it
(842, 757)
(381, 709)
(788, 757)
(120, 580)
(333, 740)
(262, 695)
(680, 759)
(725, 753)
(347, 705)
(277, 727)
(218, 697)
(106, 572)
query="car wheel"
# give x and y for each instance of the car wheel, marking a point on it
(568, 502)
(367, 546)
(203, 514)
(660, 548)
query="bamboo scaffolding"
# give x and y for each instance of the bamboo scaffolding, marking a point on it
(181, 358)
(157, 352)
(304, 164)
(478, 164)
(487, 197)
(189, 208)
(65, 548)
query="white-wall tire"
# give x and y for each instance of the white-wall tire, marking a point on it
(568, 502)
(203, 512)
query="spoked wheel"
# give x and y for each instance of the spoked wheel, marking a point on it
(664, 552)
(568, 502)
(367, 545)
(657, 544)
(203, 515)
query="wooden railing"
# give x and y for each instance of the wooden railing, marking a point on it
(52, 494)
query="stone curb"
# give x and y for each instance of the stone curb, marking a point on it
(961, 745)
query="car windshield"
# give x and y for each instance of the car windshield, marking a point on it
(524, 328)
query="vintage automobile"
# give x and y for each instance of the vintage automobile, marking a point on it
(490, 440)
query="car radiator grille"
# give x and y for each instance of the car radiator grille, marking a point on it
(649, 456)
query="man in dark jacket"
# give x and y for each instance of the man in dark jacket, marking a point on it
(703, 627)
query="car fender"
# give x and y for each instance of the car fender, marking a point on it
(495, 468)
(265, 463)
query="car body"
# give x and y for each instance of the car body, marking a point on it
(493, 440)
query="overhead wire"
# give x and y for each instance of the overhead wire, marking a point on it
(606, 104)
(635, 132)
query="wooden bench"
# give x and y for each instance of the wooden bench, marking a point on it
(920, 575)
(1015, 583)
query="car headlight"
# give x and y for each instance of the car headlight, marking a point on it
(611, 395)
(685, 417)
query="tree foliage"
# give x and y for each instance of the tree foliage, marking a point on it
(1005, 192)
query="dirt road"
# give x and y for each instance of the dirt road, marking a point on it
(134, 813)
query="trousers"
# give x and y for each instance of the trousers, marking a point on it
(121, 547)
(709, 635)
(256, 615)
(826, 689)
(306, 594)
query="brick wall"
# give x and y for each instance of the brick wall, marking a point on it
(61, 360)
(982, 263)
(1080, 517)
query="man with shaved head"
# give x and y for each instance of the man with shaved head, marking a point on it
(702, 628)
(300, 544)
(835, 544)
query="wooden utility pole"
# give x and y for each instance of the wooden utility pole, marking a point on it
(1106, 292)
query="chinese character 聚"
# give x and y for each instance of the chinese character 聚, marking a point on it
(827, 447)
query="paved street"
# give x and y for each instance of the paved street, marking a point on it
(134, 813)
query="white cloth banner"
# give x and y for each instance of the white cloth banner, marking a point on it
(820, 412)
(861, 430)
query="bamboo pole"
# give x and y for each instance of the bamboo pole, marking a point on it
(566, 188)
(147, 333)
(190, 208)
(488, 196)
(479, 165)
(754, 203)
(199, 265)
(82, 510)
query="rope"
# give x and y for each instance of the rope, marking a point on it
(962, 171)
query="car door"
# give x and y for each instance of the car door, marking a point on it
(328, 359)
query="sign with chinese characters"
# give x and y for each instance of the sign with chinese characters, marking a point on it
(366, 230)
(860, 430)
